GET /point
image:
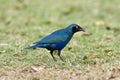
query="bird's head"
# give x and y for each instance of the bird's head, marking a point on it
(75, 28)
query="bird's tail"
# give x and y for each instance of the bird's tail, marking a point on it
(31, 47)
(37, 46)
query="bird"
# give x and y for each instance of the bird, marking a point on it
(57, 40)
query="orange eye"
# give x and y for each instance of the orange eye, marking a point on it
(77, 27)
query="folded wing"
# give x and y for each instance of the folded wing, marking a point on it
(55, 37)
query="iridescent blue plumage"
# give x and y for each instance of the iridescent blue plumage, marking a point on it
(57, 40)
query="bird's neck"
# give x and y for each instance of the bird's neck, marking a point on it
(70, 33)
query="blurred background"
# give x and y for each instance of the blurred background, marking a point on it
(25, 21)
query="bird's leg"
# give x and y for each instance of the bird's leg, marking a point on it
(59, 51)
(51, 52)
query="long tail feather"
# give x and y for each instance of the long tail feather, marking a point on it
(37, 46)
(31, 47)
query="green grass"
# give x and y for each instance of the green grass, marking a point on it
(23, 22)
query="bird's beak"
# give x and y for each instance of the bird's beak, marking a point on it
(81, 29)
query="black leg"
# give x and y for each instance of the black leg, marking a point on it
(51, 52)
(59, 51)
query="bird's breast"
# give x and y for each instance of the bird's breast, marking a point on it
(61, 45)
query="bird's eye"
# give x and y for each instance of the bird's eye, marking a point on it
(77, 27)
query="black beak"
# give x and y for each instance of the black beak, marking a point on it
(81, 29)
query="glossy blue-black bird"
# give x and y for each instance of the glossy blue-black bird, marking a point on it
(57, 40)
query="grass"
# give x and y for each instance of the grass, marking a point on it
(89, 56)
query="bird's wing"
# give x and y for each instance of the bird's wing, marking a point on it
(55, 37)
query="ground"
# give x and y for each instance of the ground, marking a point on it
(93, 55)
